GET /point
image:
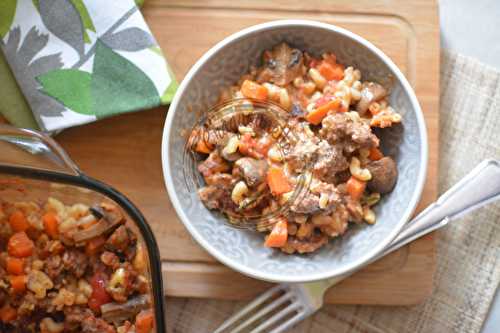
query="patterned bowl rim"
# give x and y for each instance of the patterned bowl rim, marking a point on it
(313, 276)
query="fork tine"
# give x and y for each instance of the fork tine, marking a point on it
(251, 306)
(262, 312)
(276, 317)
(289, 323)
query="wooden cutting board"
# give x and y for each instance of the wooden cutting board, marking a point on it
(125, 151)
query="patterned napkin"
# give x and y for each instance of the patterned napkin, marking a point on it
(77, 61)
(13, 105)
(468, 270)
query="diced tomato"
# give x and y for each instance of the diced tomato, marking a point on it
(15, 265)
(20, 245)
(99, 294)
(323, 100)
(263, 145)
(144, 321)
(246, 143)
(279, 234)
(18, 221)
(248, 146)
(7, 313)
(313, 63)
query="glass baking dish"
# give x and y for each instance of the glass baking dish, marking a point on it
(34, 167)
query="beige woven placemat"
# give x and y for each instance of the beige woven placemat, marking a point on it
(468, 270)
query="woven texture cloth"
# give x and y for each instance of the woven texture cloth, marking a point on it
(468, 271)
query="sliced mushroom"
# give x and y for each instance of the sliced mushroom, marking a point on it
(370, 93)
(112, 217)
(252, 170)
(384, 175)
(112, 213)
(118, 312)
(281, 65)
(97, 212)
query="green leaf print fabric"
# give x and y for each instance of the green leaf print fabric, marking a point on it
(7, 11)
(70, 87)
(77, 61)
(131, 87)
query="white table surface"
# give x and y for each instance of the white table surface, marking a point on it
(472, 28)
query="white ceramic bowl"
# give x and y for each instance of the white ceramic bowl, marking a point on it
(243, 250)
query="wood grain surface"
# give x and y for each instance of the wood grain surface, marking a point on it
(124, 151)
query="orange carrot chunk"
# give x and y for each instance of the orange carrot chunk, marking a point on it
(144, 321)
(251, 89)
(316, 116)
(7, 313)
(279, 234)
(18, 221)
(20, 245)
(355, 188)
(15, 265)
(375, 154)
(51, 224)
(330, 58)
(18, 283)
(331, 71)
(278, 181)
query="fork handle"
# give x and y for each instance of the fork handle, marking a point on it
(478, 188)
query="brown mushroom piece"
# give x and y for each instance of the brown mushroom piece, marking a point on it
(253, 171)
(117, 312)
(111, 218)
(370, 93)
(215, 163)
(281, 65)
(384, 175)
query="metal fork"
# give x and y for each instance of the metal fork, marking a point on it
(286, 304)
